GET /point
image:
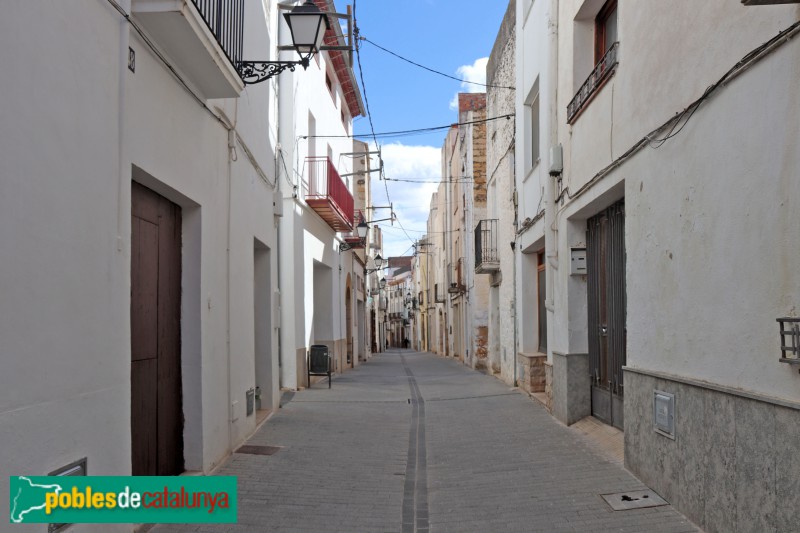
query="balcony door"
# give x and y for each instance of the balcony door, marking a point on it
(607, 311)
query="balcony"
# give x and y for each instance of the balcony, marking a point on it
(487, 259)
(601, 72)
(203, 39)
(328, 195)
(458, 278)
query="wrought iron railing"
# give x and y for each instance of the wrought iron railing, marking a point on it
(225, 19)
(790, 339)
(486, 243)
(599, 74)
(324, 183)
(458, 277)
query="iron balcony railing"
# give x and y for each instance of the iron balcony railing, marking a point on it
(458, 277)
(328, 195)
(600, 73)
(790, 339)
(225, 19)
(486, 257)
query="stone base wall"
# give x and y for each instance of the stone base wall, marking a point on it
(339, 356)
(302, 368)
(571, 391)
(734, 464)
(532, 372)
(548, 385)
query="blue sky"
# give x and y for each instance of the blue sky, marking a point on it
(446, 35)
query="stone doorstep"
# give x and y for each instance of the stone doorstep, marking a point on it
(533, 371)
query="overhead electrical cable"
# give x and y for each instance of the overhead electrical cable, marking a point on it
(434, 70)
(400, 133)
(364, 90)
(684, 116)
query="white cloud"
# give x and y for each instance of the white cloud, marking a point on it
(476, 73)
(411, 201)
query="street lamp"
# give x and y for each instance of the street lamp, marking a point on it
(307, 24)
(361, 230)
(382, 283)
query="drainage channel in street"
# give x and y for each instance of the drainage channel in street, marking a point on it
(415, 490)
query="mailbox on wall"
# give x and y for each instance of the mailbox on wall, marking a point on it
(577, 264)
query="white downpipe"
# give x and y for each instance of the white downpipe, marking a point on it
(551, 233)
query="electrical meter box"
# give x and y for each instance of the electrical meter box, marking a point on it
(664, 413)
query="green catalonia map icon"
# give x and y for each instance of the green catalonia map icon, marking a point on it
(28, 499)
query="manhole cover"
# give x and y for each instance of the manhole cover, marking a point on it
(623, 501)
(258, 450)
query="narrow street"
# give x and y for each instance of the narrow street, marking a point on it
(414, 442)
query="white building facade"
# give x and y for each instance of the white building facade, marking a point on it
(663, 157)
(495, 237)
(318, 184)
(142, 193)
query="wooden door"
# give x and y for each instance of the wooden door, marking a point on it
(607, 312)
(156, 407)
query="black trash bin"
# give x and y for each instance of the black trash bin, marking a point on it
(319, 363)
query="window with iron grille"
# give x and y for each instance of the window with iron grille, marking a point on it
(606, 48)
(605, 30)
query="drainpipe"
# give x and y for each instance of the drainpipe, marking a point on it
(124, 182)
(231, 146)
(514, 297)
(551, 232)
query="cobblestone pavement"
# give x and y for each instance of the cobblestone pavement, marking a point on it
(415, 442)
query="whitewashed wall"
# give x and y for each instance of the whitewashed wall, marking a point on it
(709, 199)
(72, 142)
(305, 237)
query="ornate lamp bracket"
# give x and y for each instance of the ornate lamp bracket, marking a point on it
(253, 72)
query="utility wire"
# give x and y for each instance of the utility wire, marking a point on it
(686, 115)
(433, 70)
(400, 133)
(462, 180)
(356, 32)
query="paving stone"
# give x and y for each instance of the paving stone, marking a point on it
(479, 455)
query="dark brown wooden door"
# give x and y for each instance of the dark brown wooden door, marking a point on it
(156, 410)
(605, 256)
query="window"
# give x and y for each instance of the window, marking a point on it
(329, 84)
(605, 30)
(535, 131)
(532, 128)
(526, 9)
(596, 43)
(309, 177)
(541, 288)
